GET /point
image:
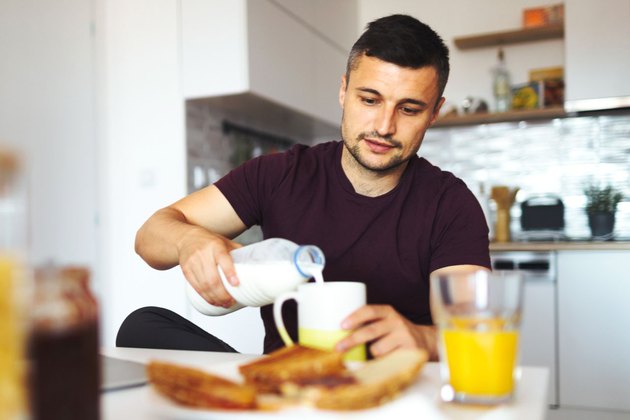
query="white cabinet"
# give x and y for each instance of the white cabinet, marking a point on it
(597, 36)
(538, 330)
(594, 329)
(268, 49)
(213, 48)
(539, 323)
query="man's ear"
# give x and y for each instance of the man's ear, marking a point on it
(342, 90)
(436, 110)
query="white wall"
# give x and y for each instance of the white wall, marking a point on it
(470, 69)
(141, 148)
(47, 111)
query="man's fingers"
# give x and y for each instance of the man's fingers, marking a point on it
(369, 332)
(227, 266)
(379, 325)
(382, 347)
(364, 315)
(397, 338)
(207, 283)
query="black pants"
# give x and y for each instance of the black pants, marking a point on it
(159, 328)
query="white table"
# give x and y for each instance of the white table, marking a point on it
(419, 401)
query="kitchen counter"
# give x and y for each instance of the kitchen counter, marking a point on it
(560, 246)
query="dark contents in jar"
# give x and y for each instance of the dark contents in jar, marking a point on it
(63, 348)
(65, 374)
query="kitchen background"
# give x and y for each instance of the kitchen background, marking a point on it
(121, 107)
(558, 157)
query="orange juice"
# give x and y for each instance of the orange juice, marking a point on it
(481, 362)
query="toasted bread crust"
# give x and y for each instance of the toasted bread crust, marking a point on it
(377, 382)
(295, 363)
(195, 388)
(292, 376)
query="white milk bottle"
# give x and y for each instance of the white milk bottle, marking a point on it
(265, 270)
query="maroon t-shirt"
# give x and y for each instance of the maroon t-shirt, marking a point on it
(391, 243)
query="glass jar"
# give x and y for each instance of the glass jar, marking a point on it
(63, 346)
(13, 289)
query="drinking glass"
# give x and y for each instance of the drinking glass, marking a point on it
(478, 314)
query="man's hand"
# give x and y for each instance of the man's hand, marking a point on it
(387, 330)
(200, 252)
(193, 232)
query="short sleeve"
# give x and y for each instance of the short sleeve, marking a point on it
(251, 186)
(460, 232)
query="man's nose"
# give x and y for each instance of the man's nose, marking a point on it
(386, 122)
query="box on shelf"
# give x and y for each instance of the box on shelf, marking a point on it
(542, 16)
(552, 80)
(546, 73)
(527, 96)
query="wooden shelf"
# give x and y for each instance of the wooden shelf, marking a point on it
(510, 116)
(555, 31)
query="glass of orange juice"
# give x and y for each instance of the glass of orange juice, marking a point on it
(478, 315)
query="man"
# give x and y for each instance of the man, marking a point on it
(381, 214)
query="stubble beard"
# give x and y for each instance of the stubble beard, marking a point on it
(355, 151)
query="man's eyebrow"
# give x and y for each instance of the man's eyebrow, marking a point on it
(369, 90)
(412, 101)
(403, 101)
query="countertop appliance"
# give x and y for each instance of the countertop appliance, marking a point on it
(542, 218)
(539, 323)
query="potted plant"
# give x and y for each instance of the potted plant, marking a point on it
(601, 205)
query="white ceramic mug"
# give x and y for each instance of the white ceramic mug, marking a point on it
(321, 309)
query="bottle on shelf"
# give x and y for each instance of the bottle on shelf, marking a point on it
(501, 84)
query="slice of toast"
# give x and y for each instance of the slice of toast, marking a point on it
(376, 382)
(195, 388)
(291, 364)
(292, 376)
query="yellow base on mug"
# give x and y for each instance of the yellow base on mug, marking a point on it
(327, 339)
(481, 363)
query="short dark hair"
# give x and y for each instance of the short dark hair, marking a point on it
(405, 41)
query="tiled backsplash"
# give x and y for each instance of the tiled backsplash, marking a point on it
(559, 156)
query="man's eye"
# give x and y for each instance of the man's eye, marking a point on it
(410, 111)
(368, 101)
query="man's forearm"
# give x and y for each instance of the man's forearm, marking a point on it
(157, 239)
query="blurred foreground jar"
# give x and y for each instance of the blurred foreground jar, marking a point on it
(63, 346)
(14, 289)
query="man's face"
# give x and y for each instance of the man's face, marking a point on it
(386, 111)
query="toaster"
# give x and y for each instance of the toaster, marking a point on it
(544, 212)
